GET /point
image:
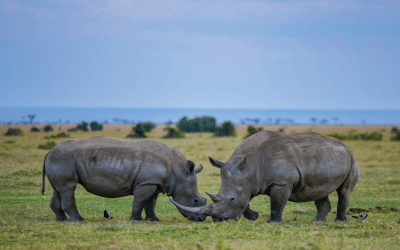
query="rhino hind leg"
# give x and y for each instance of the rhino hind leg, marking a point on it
(150, 208)
(323, 208)
(343, 203)
(279, 196)
(250, 214)
(55, 205)
(69, 206)
(142, 194)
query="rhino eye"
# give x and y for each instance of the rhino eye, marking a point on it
(232, 199)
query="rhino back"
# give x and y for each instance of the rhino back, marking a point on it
(320, 163)
(113, 168)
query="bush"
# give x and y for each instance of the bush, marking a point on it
(352, 135)
(226, 129)
(199, 124)
(94, 126)
(59, 135)
(83, 126)
(48, 128)
(251, 130)
(35, 129)
(282, 130)
(148, 126)
(138, 131)
(374, 136)
(47, 145)
(174, 133)
(395, 134)
(14, 131)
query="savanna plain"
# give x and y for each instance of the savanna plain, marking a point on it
(27, 222)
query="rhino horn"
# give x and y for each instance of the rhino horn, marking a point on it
(204, 210)
(214, 198)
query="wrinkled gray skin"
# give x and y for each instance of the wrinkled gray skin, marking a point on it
(114, 168)
(299, 168)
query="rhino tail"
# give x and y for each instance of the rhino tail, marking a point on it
(44, 174)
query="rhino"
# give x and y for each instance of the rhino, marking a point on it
(299, 168)
(114, 168)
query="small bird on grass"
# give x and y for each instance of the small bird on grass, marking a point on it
(360, 217)
(107, 215)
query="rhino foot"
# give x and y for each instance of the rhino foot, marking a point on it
(76, 219)
(274, 220)
(154, 218)
(61, 218)
(250, 214)
(136, 218)
(340, 219)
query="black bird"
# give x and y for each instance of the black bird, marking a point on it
(360, 217)
(107, 215)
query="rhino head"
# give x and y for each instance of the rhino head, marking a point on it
(234, 196)
(186, 193)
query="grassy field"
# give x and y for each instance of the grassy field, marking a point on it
(27, 222)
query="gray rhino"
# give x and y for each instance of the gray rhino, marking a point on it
(300, 168)
(114, 168)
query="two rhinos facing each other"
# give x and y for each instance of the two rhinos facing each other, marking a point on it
(299, 168)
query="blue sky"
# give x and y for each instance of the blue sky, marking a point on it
(303, 54)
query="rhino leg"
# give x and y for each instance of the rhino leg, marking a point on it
(150, 208)
(55, 205)
(69, 206)
(343, 203)
(279, 196)
(250, 214)
(142, 194)
(323, 207)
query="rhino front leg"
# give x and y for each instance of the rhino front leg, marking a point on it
(150, 208)
(55, 205)
(323, 207)
(69, 206)
(142, 194)
(279, 196)
(250, 214)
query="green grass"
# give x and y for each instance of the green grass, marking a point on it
(26, 221)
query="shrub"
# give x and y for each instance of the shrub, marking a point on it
(48, 128)
(138, 131)
(395, 134)
(35, 129)
(199, 124)
(47, 145)
(282, 130)
(226, 129)
(83, 126)
(14, 131)
(148, 126)
(59, 135)
(94, 126)
(174, 133)
(374, 136)
(251, 130)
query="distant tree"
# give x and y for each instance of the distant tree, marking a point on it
(395, 134)
(35, 129)
(94, 126)
(282, 130)
(251, 130)
(138, 131)
(174, 133)
(226, 129)
(48, 128)
(324, 121)
(13, 132)
(314, 120)
(83, 126)
(31, 117)
(199, 124)
(148, 126)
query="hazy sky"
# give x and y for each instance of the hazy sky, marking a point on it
(300, 54)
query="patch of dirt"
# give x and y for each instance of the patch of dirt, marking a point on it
(376, 208)
(302, 211)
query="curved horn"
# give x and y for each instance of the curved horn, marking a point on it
(214, 197)
(204, 210)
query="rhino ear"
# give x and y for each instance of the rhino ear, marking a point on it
(239, 165)
(198, 169)
(216, 163)
(189, 167)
